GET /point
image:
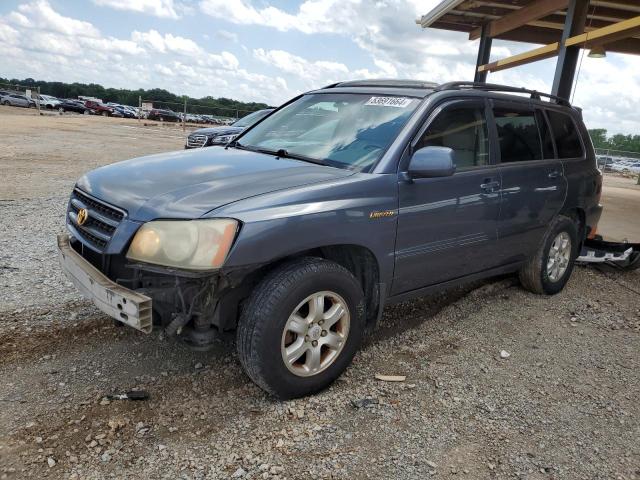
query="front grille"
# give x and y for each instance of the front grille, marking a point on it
(102, 220)
(196, 141)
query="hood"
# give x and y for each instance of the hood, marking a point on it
(190, 183)
(216, 131)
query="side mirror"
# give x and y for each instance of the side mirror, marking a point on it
(430, 162)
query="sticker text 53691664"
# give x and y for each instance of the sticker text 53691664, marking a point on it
(398, 102)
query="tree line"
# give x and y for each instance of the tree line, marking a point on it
(625, 143)
(214, 106)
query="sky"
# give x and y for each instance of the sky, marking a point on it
(272, 50)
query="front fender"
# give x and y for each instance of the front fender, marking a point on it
(281, 224)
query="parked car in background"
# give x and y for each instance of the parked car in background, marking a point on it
(344, 200)
(163, 115)
(122, 111)
(627, 166)
(17, 100)
(206, 137)
(49, 102)
(98, 108)
(72, 105)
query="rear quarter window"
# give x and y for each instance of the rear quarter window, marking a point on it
(565, 135)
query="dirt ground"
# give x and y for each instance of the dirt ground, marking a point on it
(563, 405)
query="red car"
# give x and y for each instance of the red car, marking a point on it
(98, 108)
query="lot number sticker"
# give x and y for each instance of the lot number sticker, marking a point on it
(398, 102)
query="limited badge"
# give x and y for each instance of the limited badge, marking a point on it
(382, 214)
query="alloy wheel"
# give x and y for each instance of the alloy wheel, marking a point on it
(315, 333)
(559, 256)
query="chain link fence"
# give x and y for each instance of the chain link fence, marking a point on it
(618, 162)
(189, 113)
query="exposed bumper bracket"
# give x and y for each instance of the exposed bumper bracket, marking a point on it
(118, 302)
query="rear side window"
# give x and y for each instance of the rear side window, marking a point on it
(518, 135)
(464, 130)
(565, 135)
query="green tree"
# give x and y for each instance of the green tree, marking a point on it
(161, 98)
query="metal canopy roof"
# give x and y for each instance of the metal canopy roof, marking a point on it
(531, 21)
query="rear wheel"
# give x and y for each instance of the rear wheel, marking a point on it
(549, 269)
(6, 102)
(301, 327)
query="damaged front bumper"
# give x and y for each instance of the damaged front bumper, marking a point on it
(126, 306)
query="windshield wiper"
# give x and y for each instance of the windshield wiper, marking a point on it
(281, 153)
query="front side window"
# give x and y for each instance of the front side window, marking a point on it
(565, 134)
(464, 130)
(518, 135)
(338, 129)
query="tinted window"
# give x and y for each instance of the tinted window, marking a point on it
(518, 135)
(464, 130)
(565, 134)
(545, 135)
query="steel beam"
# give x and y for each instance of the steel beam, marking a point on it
(568, 55)
(511, 21)
(484, 54)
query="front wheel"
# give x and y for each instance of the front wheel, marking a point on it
(549, 269)
(301, 327)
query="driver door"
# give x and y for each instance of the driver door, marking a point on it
(447, 226)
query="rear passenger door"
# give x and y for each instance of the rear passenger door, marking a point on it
(533, 183)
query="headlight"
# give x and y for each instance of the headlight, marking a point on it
(189, 244)
(223, 139)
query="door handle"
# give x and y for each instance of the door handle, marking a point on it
(554, 174)
(490, 186)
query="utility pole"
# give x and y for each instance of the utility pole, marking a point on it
(184, 113)
(38, 100)
(139, 108)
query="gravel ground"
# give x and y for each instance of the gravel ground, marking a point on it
(563, 404)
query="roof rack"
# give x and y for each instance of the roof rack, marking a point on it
(492, 87)
(390, 83)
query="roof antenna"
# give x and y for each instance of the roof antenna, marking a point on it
(575, 85)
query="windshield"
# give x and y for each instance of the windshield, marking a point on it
(339, 129)
(251, 118)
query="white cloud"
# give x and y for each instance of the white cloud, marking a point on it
(39, 15)
(167, 43)
(227, 36)
(158, 8)
(36, 41)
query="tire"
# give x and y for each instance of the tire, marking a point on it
(537, 275)
(86, 112)
(105, 114)
(6, 102)
(262, 335)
